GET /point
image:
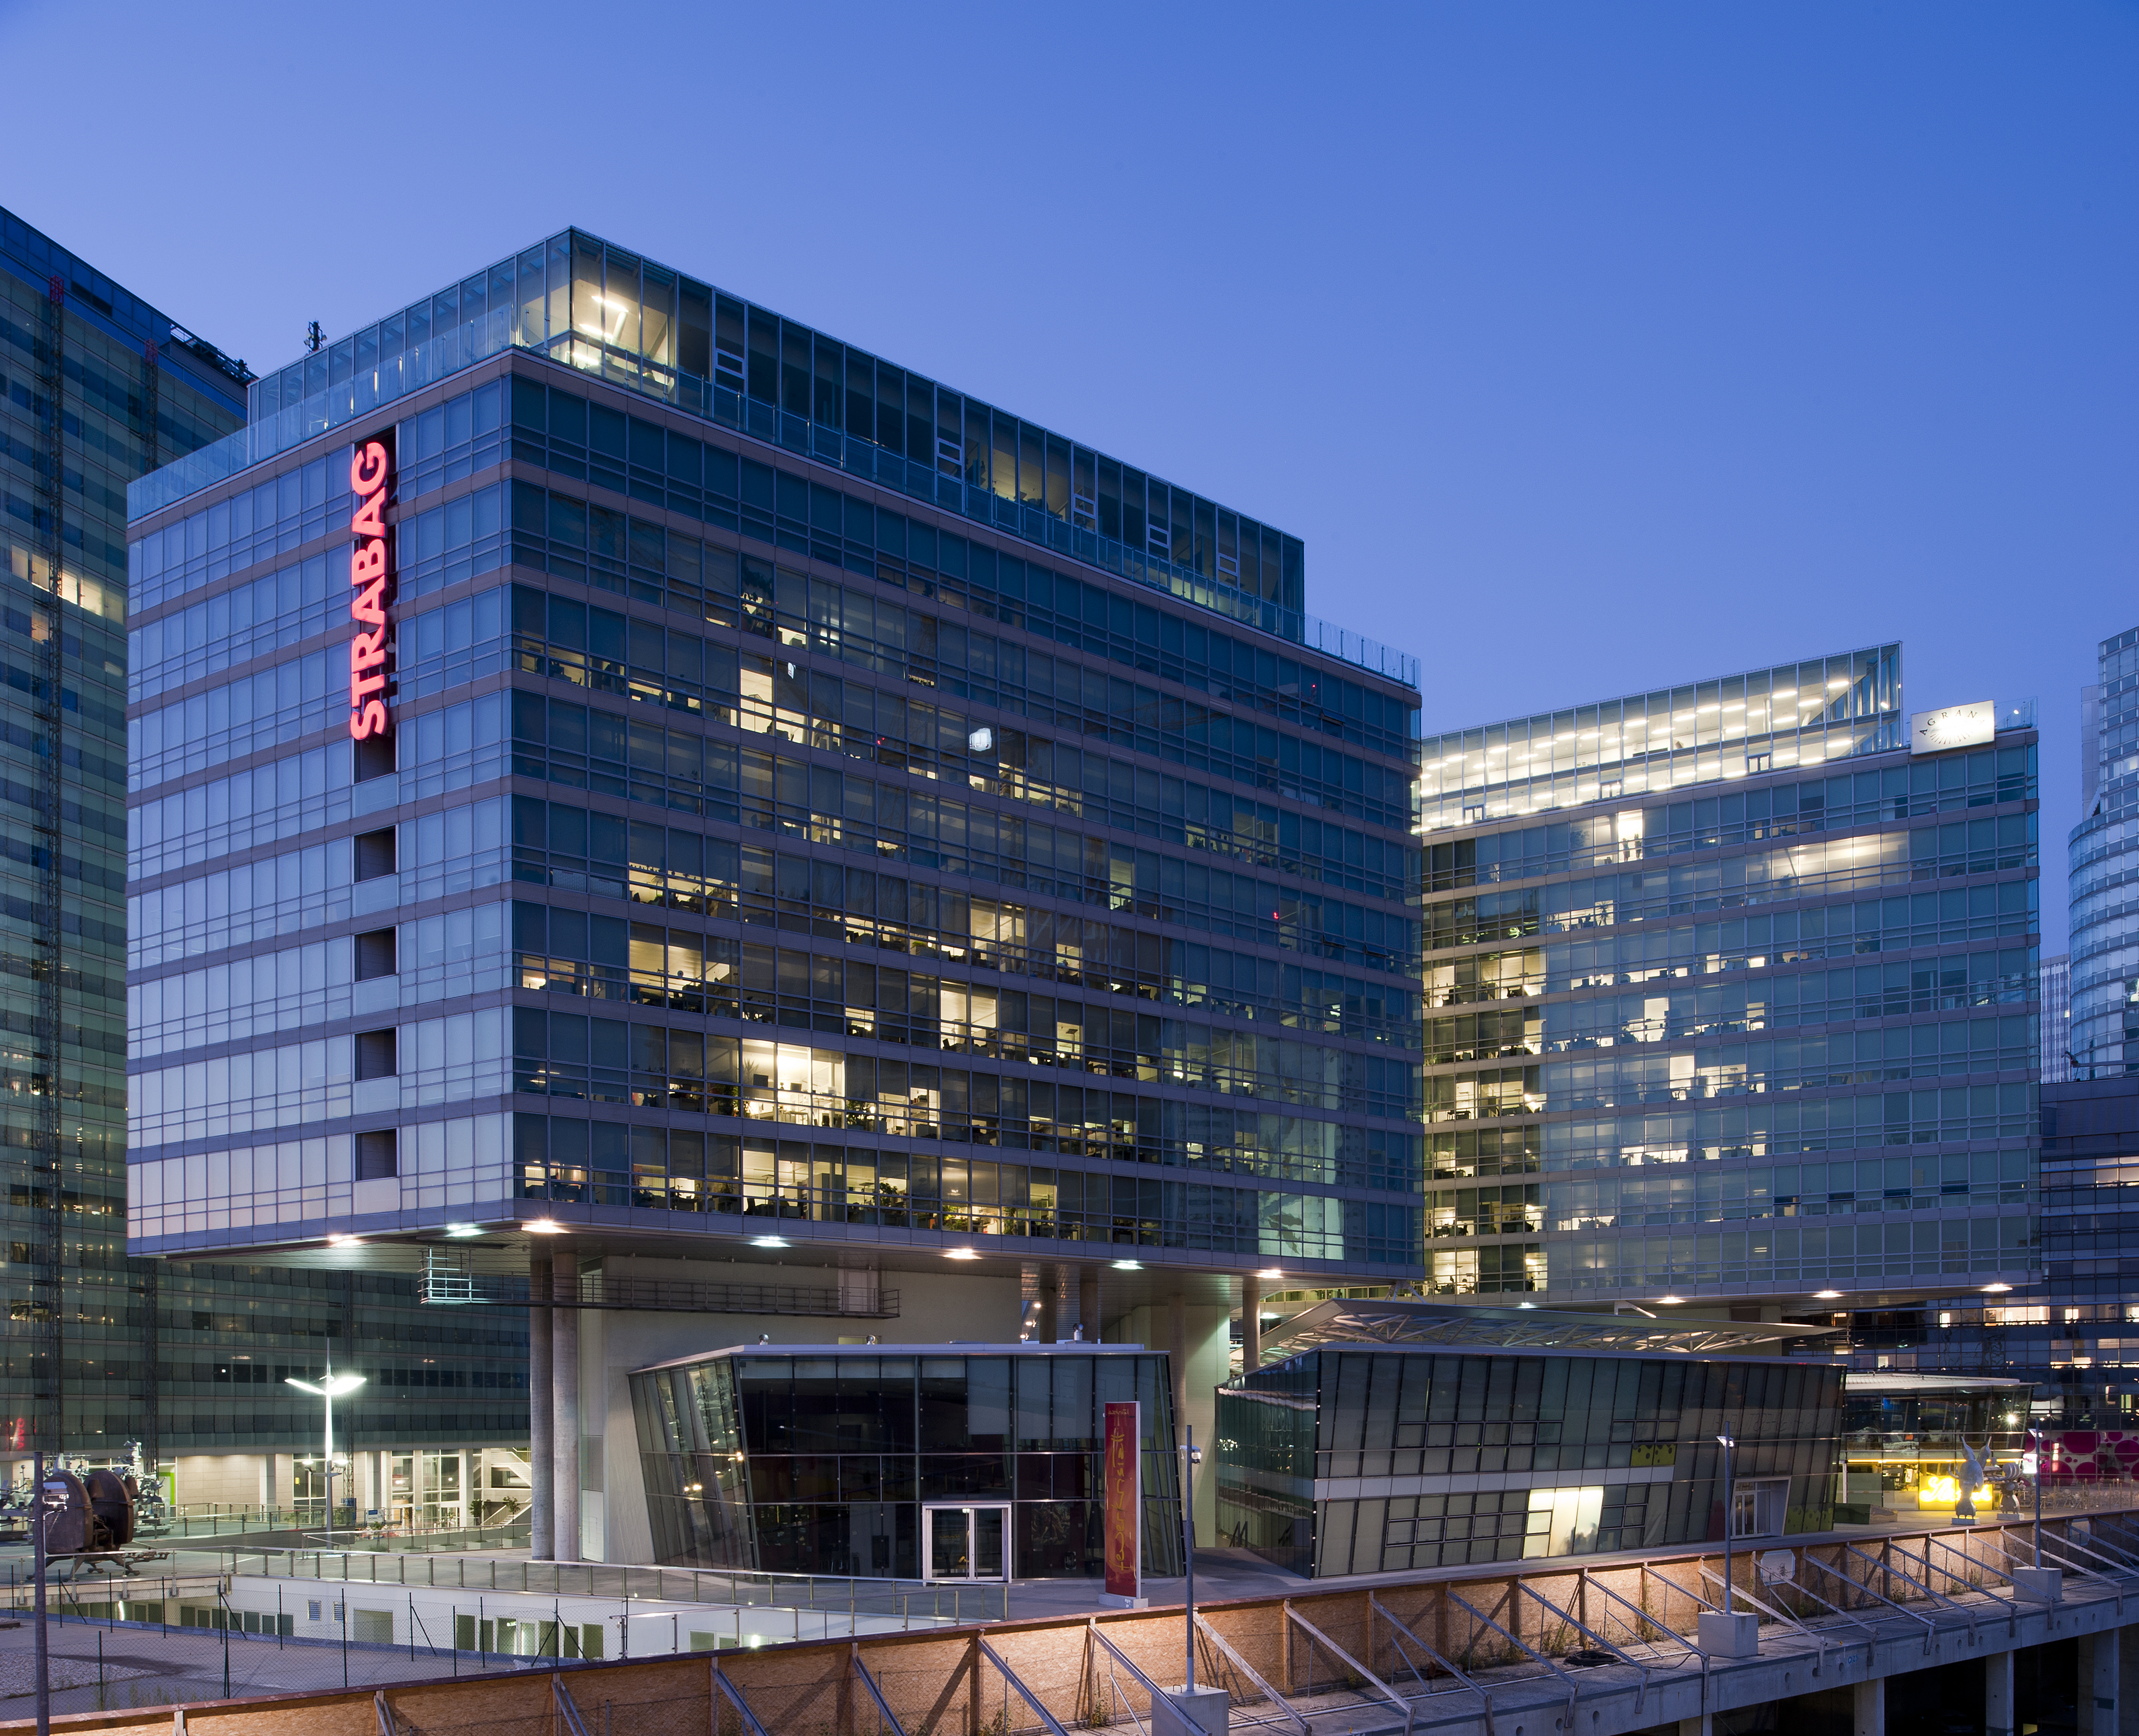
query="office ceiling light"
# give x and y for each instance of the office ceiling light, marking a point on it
(1128, 1265)
(960, 1253)
(768, 1241)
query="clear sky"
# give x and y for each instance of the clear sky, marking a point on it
(1589, 348)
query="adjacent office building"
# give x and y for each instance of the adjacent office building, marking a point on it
(630, 793)
(97, 389)
(1732, 994)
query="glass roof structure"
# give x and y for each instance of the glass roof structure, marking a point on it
(1400, 1323)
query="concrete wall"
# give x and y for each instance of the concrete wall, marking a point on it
(233, 1479)
(933, 1310)
(1208, 1364)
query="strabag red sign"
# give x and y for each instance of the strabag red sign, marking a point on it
(371, 587)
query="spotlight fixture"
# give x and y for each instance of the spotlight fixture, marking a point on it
(960, 1253)
(768, 1241)
(543, 1226)
(1128, 1265)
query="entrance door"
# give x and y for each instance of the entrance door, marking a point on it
(966, 1543)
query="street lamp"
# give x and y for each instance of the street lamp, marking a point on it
(1729, 1517)
(330, 1387)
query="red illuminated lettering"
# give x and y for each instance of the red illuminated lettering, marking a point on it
(371, 578)
(368, 470)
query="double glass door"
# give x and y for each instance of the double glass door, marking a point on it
(966, 1543)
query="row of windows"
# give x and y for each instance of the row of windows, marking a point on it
(594, 748)
(1814, 997)
(1694, 949)
(556, 1160)
(1709, 1135)
(1868, 798)
(593, 648)
(1821, 869)
(868, 631)
(835, 995)
(1831, 1061)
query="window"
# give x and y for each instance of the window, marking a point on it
(375, 757)
(376, 1056)
(1759, 1506)
(377, 1155)
(374, 954)
(374, 854)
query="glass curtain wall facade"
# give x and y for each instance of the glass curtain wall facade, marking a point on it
(660, 334)
(1340, 1461)
(1727, 991)
(2102, 1037)
(188, 1359)
(754, 843)
(826, 1459)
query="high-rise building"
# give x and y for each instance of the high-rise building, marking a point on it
(96, 387)
(1731, 995)
(2057, 1019)
(186, 1357)
(738, 831)
(2103, 1036)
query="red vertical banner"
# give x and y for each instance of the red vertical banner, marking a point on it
(1124, 1501)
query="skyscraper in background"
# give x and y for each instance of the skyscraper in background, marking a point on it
(1730, 995)
(96, 388)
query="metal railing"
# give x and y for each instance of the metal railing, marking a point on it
(448, 1571)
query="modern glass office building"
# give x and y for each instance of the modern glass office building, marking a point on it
(776, 810)
(1732, 994)
(919, 1461)
(187, 1358)
(2104, 1022)
(1369, 1457)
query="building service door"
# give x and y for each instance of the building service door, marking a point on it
(966, 1543)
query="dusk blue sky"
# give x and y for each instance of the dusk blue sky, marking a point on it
(1589, 348)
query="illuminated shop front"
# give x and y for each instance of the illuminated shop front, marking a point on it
(899, 1461)
(1902, 1436)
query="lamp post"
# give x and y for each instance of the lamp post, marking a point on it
(1728, 1516)
(2036, 1435)
(330, 1387)
(1190, 1458)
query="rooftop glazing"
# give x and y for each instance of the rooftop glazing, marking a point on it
(643, 326)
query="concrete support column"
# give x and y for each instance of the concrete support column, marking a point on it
(2127, 1679)
(564, 1331)
(1999, 1716)
(1704, 1725)
(1064, 1280)
(2098, 1684)
(1087, 1303)
(542, 1537)
(1251, 1324)
(1870, 1708)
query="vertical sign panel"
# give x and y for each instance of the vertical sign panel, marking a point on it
(1125, 1500)
(371, 579)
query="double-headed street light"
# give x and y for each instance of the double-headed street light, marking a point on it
(330, 1387)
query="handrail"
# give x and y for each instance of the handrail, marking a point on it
(2012, 1604)
(385, 1714)
(566, 1708)
(1024, 1693)
(735, 1698)
(1248, 1670)
(1574, 1689)
(1582, 1627)
(1338, 1651)
(868, 1681)
(1128, 1663)
(1410, 1633)
(1894, 1574)
(1641, 1614)
(1930, 1627)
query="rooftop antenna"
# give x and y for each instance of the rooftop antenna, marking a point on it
(313, 338)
